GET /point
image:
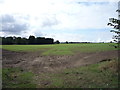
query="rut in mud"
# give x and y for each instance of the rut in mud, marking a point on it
(35, 62)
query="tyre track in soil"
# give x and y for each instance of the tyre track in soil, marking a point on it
(35, 62)
(97, 57)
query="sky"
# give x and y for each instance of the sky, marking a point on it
(63, 20)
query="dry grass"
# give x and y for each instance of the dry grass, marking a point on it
(111, 65)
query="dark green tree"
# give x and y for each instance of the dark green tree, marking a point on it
(23, 41)
(0, 40)
(66, 42)
(115, 24)
(18, 40)
(9, 40)
(31, 39)
(57, 42)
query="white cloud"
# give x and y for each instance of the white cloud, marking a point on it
(60, 15)
(70, 37)
(78, 37)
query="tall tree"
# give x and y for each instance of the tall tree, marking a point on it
(31, 39)
(115, 23)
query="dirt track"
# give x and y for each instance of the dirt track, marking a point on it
(37, 63)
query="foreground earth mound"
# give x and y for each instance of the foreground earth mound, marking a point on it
(35, 62)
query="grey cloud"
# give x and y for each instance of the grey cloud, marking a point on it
(7, 18)
(11, 25)
(48, 22)
(38, 34)
(1, 1)
(25, 17)
(12, 28)
(92, 3)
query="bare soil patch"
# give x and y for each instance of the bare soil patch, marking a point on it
(35, 62)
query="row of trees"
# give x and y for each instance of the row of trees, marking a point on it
(31, 40)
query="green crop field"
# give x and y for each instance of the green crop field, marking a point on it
(96, 75)
(61, 49)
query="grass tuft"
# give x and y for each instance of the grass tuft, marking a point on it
(15, 78)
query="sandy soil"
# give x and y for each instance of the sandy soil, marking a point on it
(35, 62)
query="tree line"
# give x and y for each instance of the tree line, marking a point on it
(24, 41)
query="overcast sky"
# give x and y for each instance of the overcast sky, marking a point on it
(63, 20)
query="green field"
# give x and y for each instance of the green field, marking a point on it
(61, 49)
(99, 75)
